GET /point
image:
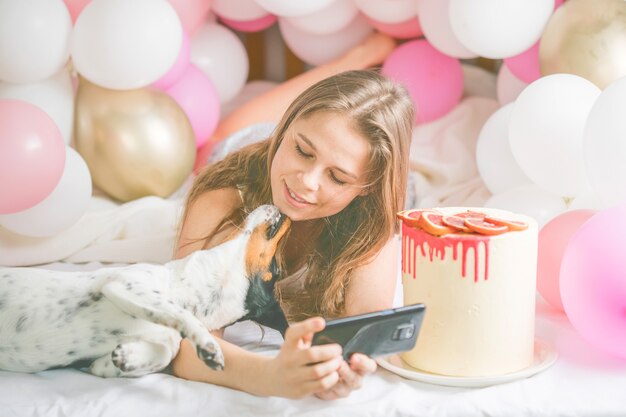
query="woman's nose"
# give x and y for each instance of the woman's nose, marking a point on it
(311, 179)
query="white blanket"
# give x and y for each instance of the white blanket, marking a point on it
(139, 231)
(583, 382)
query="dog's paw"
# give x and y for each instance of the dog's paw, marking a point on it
(212, 355)
(120, 358)
(104, 368)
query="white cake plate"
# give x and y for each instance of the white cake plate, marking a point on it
(545, 356)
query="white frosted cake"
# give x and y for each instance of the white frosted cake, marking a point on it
(475, 270)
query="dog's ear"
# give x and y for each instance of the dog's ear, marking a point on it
(274, 318)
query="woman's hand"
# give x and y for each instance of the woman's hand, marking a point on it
(350, 377)
(300, 369)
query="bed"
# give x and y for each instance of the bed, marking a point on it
(582, 382)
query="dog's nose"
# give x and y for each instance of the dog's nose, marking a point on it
(276, 222)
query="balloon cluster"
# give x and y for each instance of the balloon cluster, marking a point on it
(556, 102)
(581, 270)
(112, 93)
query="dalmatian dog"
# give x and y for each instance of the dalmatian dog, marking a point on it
(128, 321)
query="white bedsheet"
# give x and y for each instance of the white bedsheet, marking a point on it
(583, 382)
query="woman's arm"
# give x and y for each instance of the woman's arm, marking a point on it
(297, 371)
(373, 286)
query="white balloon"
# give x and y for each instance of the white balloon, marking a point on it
(62, 208)
(494, 159)
(508, 86)
(219, 53)
(330, 19)
(240, 10)
(388, 11)
(54, 95)
(319, 49)
(604, 144)
(293, 7)
(546, 131)
(499, 29)
(34, 39)
(435, 21)
(530, 200)
(121, 44)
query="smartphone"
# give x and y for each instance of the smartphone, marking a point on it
(381, 333)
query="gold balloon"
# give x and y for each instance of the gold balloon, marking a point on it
(586, 38)
(135, 142)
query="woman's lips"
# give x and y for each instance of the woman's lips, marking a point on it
(294, 199)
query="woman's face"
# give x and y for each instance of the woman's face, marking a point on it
(319, 167)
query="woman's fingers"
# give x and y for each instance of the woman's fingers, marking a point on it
(322, 369)
(322, 387)
(349, 377)
(320, 353)
(349, 380)
(362, 364)
(302, 332)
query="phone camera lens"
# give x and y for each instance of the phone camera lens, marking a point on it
(404, 331)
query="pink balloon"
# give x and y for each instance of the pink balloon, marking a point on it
(32, 155)
(179, 67)
(198, 98)
(593, 280)
(192, 13)
(75, 7)
(553, 240)
(255, 25)
(434, 80)
(525, 66)
(402, 30)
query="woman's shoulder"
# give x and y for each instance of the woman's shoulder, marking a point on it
(221, 199)
(213, 205)
(203, 216)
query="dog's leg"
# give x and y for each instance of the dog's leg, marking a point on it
(132, 359)
(143, 302)
(136, 357)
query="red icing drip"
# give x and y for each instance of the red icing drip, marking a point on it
(414, 238)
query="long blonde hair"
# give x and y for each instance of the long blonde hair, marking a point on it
(382, 112)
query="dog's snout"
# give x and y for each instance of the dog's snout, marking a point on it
(275, 224)
(268, 215)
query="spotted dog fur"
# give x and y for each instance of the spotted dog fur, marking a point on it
(128, 321)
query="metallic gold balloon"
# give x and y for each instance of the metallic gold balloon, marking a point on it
(586, 38)
(135, 142)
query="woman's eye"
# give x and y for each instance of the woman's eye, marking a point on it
(302, 153)
(336, 180)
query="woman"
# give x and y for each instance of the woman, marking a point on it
(337, 165)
